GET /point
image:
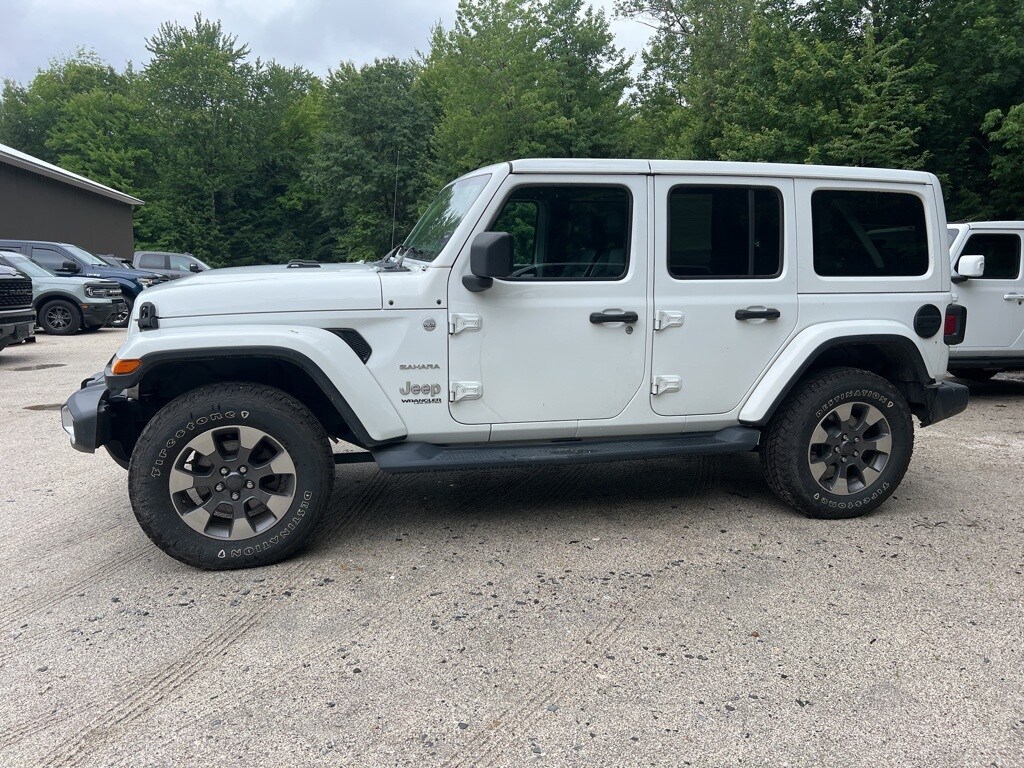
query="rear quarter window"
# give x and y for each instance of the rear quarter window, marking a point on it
(869, 234)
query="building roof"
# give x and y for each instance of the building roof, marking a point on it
(18, 159)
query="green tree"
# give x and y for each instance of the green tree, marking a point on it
(28, 113)
(537, 78)
(199, 91)
(784, 81)
(375, 144)
(1006, 133)
(103, 134)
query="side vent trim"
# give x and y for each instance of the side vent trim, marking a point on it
(354, 339)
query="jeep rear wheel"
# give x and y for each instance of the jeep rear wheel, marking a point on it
(839, 445)
(231, 476)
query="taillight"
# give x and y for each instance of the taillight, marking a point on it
(955, 325)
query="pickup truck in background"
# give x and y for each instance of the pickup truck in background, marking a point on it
(17, 317)
(986, 261)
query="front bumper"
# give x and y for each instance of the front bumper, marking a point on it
(84, 415)
(13, 331)
(943, 400)
(96, 417)
(100, 314)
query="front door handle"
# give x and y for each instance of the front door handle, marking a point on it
(613, 316)
(1014, 296)
(758, 313)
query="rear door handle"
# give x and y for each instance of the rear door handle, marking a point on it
(758, 313)
(613, 316)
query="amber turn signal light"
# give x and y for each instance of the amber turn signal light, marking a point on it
(122, 367)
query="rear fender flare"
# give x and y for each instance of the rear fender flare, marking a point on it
(802, 352)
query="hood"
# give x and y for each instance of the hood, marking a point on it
(270, 288)
(123, 273)
(59, 281)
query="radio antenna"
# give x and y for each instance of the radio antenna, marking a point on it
(394, 209)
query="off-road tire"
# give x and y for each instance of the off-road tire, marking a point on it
(219, 407)
(59, 317)
(786, 443)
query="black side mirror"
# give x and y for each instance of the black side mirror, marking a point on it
(193, 267)
(69, 266)
(490, 256)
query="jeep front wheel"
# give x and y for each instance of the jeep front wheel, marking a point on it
(839, 445)
(231, 476)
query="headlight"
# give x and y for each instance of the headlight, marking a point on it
(145, 282)
(99, 291)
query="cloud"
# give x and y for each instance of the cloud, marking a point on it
(316, 34)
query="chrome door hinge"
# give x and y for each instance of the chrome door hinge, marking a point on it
(663, 384)
(458, 323)
(464, 390)
(664, 319)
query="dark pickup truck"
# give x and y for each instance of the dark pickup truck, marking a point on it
(17, 317)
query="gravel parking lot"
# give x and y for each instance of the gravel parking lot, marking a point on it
(664, 612)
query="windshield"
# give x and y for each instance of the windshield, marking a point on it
(87, 257)
(25, 266)
(443, 216)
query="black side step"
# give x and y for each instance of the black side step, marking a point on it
(424, 457)
(353, 457)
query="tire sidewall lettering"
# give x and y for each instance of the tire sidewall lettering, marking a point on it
(276, 536)
(882, 486)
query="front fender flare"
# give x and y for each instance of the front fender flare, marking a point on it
(328, 360)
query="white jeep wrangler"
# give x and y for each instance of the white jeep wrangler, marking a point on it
(546, 311)
(986, 259)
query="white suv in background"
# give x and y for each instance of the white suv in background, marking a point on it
(546, 311)
(986, 259)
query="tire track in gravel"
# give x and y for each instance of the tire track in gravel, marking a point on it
(568, 482)
(154, 690)
(521, 713)
(18, 733)
(365, 622)
(21, 607)
(493, 747)
(157, 687)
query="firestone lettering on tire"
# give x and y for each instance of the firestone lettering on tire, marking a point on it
(854, 393)
(283, 533)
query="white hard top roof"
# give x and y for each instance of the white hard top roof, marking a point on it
(991, 224)
(715, 168)
(18, 159)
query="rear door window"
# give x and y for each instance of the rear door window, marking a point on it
(718, 233)
(152, 261)
(869, 234)
(49, 258)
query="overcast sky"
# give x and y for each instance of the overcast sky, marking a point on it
(316, 34)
